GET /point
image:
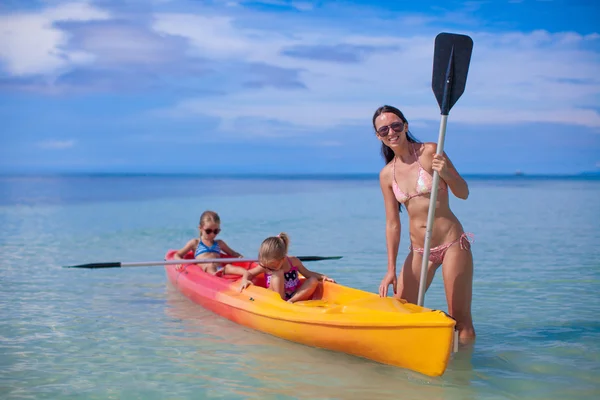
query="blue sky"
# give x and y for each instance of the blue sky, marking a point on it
(278, 86)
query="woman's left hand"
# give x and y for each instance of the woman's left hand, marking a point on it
(325, 278)
(439, 164)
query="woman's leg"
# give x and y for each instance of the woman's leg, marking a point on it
(306, 290)
(457, 271)
(408, 280)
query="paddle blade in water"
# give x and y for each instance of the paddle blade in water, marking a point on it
(451, 59)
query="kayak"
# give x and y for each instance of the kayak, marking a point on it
(386, 330)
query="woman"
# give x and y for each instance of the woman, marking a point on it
(407, 179)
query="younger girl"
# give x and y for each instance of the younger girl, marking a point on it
(282, 271)
(206, 246)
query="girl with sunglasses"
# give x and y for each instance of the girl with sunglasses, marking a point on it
(283, 271)
(207, 246)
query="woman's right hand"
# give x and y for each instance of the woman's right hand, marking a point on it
(389, 278)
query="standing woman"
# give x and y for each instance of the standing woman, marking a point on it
(407, 180)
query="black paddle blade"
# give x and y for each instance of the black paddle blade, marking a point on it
(318, 258)
(96, 265)
(451, 59)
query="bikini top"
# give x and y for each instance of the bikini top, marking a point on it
(423, 185)
(202, 248)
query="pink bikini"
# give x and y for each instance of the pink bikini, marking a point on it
(423, 187)
(291, 280)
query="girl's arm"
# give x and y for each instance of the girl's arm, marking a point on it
(228, 249)
(308, 273)
(191, 245)
(249, 276)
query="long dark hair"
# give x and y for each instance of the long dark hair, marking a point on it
(386, 152)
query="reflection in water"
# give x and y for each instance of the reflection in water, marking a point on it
(262, 365)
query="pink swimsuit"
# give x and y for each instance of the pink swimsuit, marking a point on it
(423, 186)
(291, 280)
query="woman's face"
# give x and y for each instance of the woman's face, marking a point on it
(391, 130)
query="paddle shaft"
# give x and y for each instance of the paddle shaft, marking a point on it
(431, 215)
(187, 261)
(164, 262)
(445, 110)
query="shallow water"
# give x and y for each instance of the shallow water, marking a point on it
(126, 333)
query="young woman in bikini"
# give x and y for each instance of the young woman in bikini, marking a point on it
(406, 180)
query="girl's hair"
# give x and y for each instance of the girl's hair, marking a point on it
(273, 248)
(386, 152)
(209, 216)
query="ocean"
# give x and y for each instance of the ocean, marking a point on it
(126, 333)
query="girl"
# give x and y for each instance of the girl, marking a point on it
(407, 179)
(282, 271)
(206, 246)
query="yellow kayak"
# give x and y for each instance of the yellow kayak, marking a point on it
(339, 318)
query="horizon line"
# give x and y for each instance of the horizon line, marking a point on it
(296, 175)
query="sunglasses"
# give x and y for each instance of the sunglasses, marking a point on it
(396, 126)
(210, 231)
(272, 269)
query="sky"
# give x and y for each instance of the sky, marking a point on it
(278, 86)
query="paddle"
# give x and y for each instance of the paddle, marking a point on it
(451, 58)
(186, 261)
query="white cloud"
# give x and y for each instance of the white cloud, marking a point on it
(57, 144)
(514, 77)
(217, 37)
(30, 43)
(298, 5)
(302, 5)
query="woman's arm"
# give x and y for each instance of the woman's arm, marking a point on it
(392, 231)
(447, 171)
(392, 220)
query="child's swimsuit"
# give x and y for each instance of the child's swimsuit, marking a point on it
(291, 281)
(202, 248)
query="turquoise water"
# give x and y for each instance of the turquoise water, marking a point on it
(125, 333)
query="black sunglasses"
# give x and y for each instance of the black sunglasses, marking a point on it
(267, 268)
(210, 231)
(271, 269)
(396, 126)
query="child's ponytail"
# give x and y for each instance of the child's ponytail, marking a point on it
(285, 239)
(273, 248)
